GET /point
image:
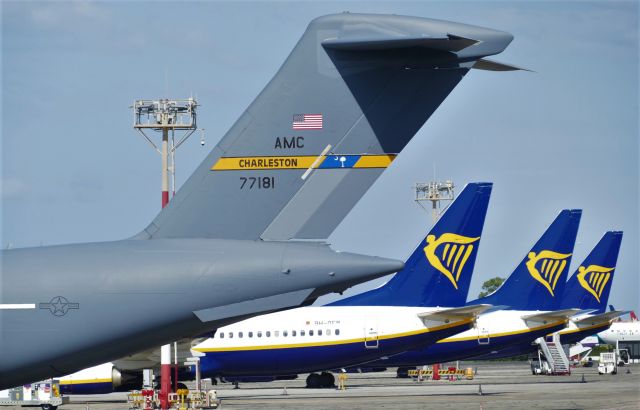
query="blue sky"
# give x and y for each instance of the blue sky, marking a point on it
(564, 136)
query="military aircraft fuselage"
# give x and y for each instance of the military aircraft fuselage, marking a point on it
(63, 307)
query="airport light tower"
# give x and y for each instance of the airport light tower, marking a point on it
(435, 192)
(166, 116)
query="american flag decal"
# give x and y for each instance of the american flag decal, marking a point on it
(307, 122)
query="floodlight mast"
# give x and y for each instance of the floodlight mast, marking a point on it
(435, 192)
(166, 115)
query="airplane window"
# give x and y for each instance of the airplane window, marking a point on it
(328, 332)
(285, 333)
(222, 335)
(337, 332)
(250, 334)
(276, 333)
(230, 335)
(239, 334)
(268, 333)
(319, 332)
(302, 333)
(293, 333)
(310, 332)
(259, 334)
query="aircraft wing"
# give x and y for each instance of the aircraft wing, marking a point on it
(150, 359)
(444, 316)
(445, 43)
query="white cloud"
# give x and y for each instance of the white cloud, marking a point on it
(59, 14)
(13, 188)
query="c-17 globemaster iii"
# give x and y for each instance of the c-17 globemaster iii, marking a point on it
(246, 232)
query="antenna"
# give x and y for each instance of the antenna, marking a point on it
(162, 116)
(435, 192)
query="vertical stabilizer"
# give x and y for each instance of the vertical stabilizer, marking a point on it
(539, 280)
(590, 285)
(353, 92)
(438, 273)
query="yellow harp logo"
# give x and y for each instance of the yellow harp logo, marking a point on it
(546, 267)
(452, 256)
(594, 279)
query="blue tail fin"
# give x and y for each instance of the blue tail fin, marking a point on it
(539, 280)
(590, 285)
(438, 273)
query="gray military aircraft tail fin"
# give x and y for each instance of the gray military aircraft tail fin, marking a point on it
(350, 96)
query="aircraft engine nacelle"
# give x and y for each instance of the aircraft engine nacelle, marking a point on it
(99, 379)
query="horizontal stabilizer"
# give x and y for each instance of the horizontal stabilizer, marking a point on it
(260, 305)
(445, 316)
(601, 318)
(551, 316)
(490, 65)
(449, 43)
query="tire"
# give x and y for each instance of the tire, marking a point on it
(327, 380)
(313, 381)
(403, 372)
(48, 407)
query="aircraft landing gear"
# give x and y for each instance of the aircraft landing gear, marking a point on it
(327, 380)
(403, 372)
(313, 381)
(320, 381)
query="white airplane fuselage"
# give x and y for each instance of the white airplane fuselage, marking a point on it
(621, 332)
(322, 338)
(495, 334)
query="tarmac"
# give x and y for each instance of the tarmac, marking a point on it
(496, 385)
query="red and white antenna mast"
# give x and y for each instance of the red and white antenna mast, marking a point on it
(166, 116)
